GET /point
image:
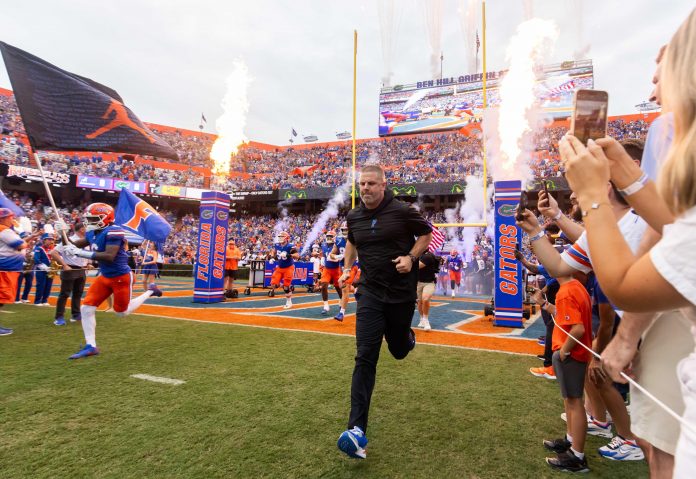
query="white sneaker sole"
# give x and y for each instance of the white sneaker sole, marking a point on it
(635, 456)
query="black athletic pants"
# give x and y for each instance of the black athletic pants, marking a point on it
(72, 285)
(548, 353)
(376, 320)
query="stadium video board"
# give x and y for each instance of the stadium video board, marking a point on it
(455, 102)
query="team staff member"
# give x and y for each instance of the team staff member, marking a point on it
(382, 232)
(428, 267)
(11, 261)
(42, 262)
(72, 278)
(232, 257)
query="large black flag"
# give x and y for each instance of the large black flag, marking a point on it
(62, 111)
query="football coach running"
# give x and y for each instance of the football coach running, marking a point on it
(389, 236)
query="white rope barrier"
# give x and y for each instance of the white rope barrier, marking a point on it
(662, 405)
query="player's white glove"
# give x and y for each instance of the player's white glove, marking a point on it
(80, 253)
(338, 257)
(283, 255)
(60, 226)
(42, 267)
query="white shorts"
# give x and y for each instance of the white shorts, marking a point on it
(425, 289)
(666, 342)
(685, 458)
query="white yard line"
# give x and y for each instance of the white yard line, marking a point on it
(158, 379)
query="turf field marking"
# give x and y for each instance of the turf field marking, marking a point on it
(158, 379)
(329, 333)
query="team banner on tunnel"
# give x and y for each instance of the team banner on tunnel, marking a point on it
(508, 273)
(303, 275)
(209, 269)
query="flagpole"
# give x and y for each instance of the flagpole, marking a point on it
(49, 194)
(355, 69)
(485, 105)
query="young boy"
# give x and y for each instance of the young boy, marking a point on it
(573, 315)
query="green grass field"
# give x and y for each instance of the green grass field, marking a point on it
(262, 403)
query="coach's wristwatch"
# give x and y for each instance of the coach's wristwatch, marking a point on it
(414, 258)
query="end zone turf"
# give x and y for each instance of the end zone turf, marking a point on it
(262, 403)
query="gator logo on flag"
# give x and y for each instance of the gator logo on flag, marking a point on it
(137, 216)
(404, 190)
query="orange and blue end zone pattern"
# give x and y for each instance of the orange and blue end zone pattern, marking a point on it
(457, 322)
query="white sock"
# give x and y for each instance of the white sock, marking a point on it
(579, 455)
(569, 438)
(89, 324)
(326, 305)
(425, 318)
(343, 310)
(137, 302)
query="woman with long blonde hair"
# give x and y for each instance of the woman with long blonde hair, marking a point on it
(665, 277)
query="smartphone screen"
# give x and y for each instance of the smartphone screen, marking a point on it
(546, 187)
(523, 206)
(589, 120)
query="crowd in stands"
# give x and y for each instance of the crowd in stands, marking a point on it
(413, 159)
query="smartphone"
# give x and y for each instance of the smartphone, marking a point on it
(524, 203)
(589, 119)
(546, 187)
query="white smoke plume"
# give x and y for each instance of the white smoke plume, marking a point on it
(509, 129)
(470, 210)
(389, 22)
(468, 21)
(330, 212)
(433, 22)
(282, 223)
(528, 6)
(582, 48)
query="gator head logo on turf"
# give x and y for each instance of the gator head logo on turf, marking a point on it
(457, 189)
(507, 210)
(295, 195)
(404, 190)
(206, 214)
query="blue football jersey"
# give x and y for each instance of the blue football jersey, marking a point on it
(110, 235)
(289, 249)
(454, 264)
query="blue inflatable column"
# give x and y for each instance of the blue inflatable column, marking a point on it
(209, 269)
(508, 271)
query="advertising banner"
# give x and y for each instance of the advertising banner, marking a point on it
(134, 186)
(33, 174)
(95, 182)
(209, 269)
(169, 190)
(509, 292)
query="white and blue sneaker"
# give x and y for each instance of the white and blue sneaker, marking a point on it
(87, 350)
(595, 428)
(620, 449)
(353, 442)
(5, 331)
(339, 316)
(59, 321)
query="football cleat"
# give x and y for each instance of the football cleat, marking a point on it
(156, 292)
(353, 442)
(59, 321)
(87, 350)
(339, 316)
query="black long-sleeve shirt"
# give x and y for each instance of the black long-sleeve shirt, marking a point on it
(380, 236)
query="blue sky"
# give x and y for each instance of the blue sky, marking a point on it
(169, 58)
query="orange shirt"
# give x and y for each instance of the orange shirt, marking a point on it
(573, 306)
(232, 257)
